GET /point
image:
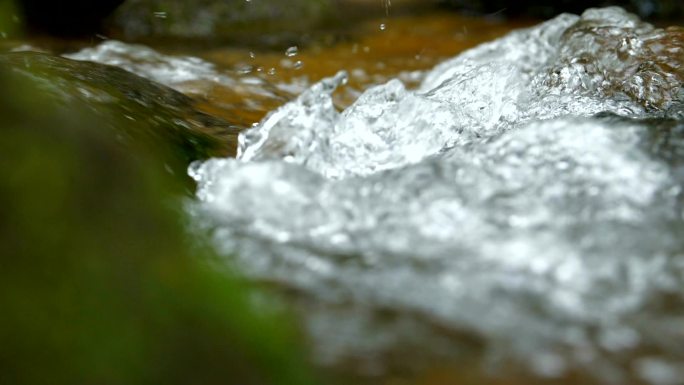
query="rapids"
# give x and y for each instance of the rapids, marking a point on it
(524, 203)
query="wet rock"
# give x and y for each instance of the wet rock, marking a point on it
(138, 110)
(99, 283)
(645, 8)
(234, 20)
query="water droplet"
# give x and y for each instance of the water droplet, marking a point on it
(383, 26)
(244, 69)
(298, 64)
(292, 51)
(272, 71)
(252, 55)
(160, 15)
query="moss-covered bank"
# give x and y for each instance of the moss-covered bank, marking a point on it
(99, 282)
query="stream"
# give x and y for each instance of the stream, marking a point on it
(460, 200)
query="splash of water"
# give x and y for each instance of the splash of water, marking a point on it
(528, 196)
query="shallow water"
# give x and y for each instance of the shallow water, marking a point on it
(515, 212)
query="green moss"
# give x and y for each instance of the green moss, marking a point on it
(99, 283)
(10, 24)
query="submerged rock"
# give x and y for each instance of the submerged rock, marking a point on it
(138, 110)
(525, 204)
(99, 282)
(235, 20)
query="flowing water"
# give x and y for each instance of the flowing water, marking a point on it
(517, 209)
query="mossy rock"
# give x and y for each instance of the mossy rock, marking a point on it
(221, 20)
(99, 283)
(138, 110)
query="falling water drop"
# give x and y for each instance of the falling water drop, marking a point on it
(292, 51)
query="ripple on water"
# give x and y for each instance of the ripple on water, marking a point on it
(492, 202)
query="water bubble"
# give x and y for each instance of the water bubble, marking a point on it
(383, 26)
(244, 69)
(292, 51)
(298, 64)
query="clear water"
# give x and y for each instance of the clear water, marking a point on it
(492, 203)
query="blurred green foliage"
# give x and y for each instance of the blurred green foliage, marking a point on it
(10, 24)
(99, 283)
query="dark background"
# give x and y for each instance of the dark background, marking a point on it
(78, 17)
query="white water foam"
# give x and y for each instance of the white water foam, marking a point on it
(492, 202)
